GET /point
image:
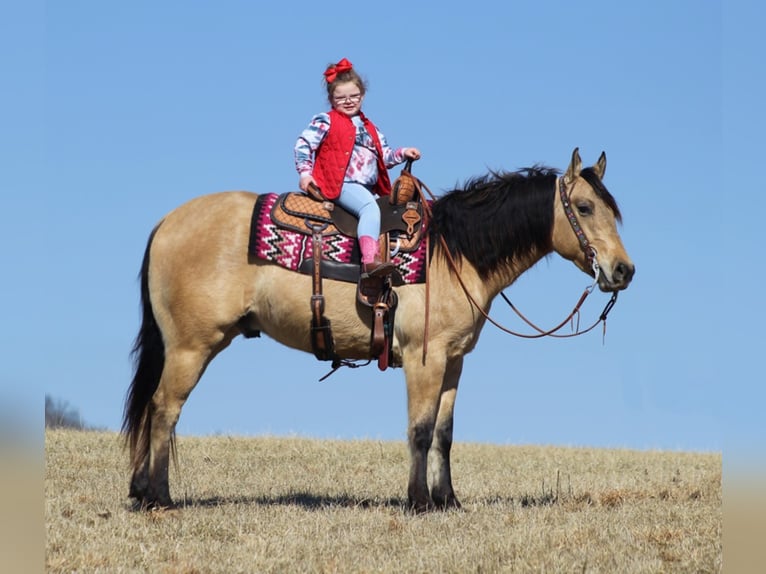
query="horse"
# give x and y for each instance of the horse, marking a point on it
(201, 288)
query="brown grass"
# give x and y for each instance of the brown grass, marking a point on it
(300, 505)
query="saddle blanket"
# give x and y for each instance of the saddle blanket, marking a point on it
(289, 248)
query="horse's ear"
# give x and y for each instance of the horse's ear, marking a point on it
(575, 166)
(600, 167)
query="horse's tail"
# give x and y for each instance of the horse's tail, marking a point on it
(148, 356)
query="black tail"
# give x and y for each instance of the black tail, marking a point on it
(148, 361)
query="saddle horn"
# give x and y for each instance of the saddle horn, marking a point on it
(405, 187)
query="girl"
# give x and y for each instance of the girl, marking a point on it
(343, 154)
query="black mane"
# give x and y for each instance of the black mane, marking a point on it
(497, 218)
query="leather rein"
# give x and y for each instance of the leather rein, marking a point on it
(574, 316)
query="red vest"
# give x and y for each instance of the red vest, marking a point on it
(334, 154)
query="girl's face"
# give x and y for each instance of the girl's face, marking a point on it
(347, 98)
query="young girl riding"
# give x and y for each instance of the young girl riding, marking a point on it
(343, 154)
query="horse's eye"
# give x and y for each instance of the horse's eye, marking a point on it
(584, 209)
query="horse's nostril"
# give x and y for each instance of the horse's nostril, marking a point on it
(624, 272)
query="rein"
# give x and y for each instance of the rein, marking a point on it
(587, 248)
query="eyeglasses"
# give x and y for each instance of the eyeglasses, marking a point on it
(354, 99)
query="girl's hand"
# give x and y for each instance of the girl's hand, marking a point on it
(305, 182)
(412, 153)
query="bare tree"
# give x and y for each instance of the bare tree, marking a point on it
(58, 414)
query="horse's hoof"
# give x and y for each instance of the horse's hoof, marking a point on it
(422, 506)
(448, 503)
(152, 505)
(445, 499)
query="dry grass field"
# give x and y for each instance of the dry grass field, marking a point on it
(300, 505)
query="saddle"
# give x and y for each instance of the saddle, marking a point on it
(401, 217)
(303, 213)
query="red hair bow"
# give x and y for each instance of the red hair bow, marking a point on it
(332, 72)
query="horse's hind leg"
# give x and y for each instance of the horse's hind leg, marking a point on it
(183, 369)
(442, 492)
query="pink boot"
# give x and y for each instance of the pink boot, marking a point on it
(372, 265)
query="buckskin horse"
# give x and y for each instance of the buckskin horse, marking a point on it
(201, 287)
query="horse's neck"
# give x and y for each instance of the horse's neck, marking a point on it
(506, 275)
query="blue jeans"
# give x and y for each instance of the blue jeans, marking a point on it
(359, 200)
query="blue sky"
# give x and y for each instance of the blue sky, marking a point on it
(115, 113)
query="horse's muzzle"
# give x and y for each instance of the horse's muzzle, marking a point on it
(619, 279)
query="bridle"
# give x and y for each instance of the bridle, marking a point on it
(589, 251)
(590, 254)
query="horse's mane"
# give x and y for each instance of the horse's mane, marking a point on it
(500, 217)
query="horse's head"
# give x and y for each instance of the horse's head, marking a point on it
(585, 225)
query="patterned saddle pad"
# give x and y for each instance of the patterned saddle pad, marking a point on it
(280, 233)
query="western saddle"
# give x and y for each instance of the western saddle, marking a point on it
(401, 229)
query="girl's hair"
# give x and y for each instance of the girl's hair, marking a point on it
(341, 77)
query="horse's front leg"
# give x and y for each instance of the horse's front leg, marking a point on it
(424, 384)
(442, 492)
